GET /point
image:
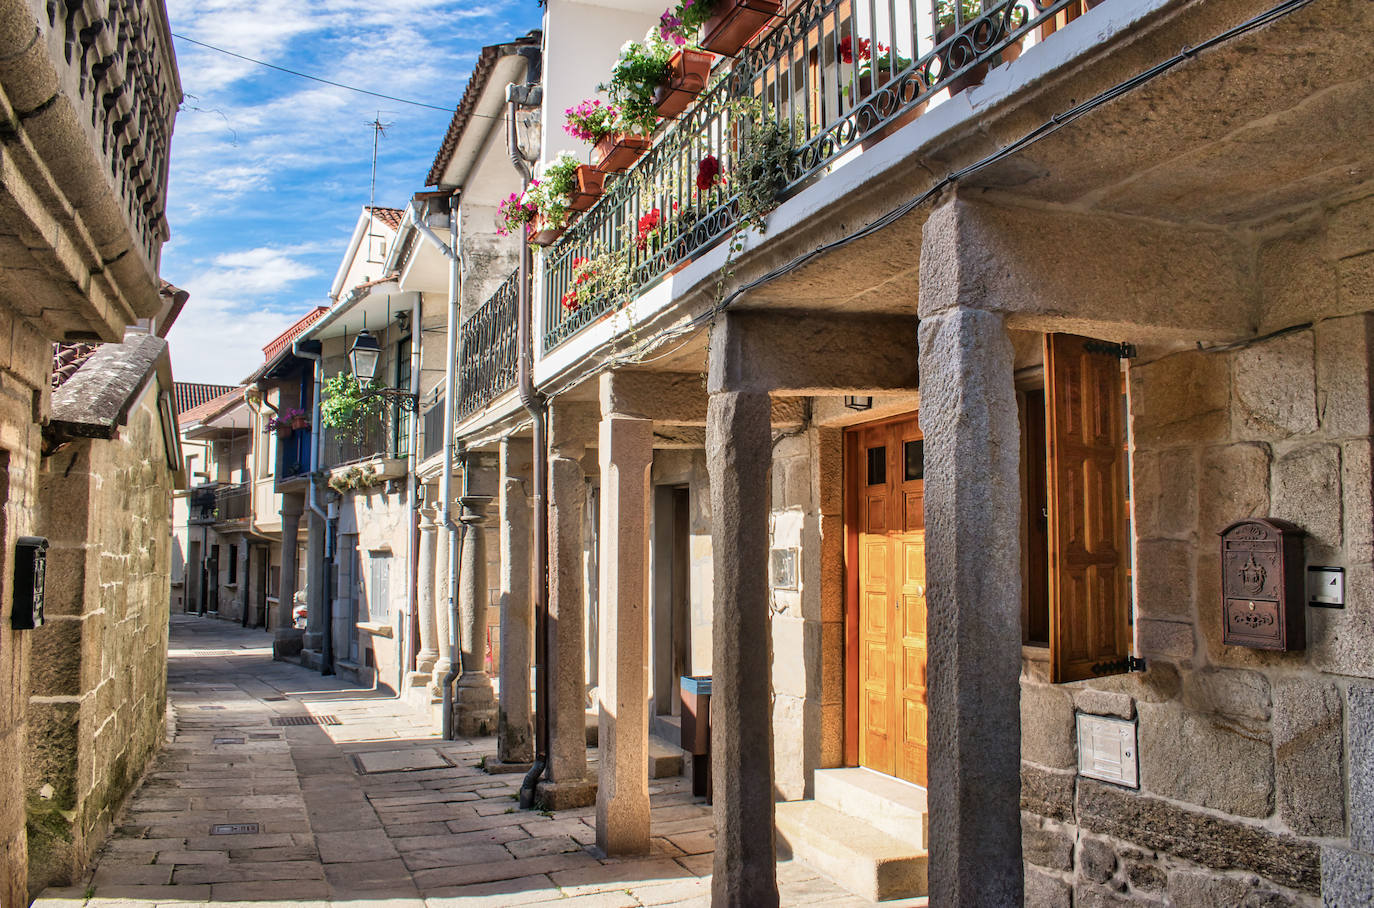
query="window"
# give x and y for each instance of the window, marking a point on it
(401, 442)
(1075, 535)
(233, 565)
(379, 586)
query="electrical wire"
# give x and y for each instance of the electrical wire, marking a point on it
(1048, 128)
(323, 81)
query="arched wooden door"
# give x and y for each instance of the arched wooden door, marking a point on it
(885, 482)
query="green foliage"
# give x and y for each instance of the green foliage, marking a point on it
(344, 410)
(639, 71)
(763, 164)
(357, 477)
(969, 10)
(552, 192)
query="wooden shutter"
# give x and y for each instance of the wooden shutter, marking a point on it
(1086, 440)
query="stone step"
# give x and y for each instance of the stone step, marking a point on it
(888, 804)
(866, 861)
(665, 759)
(669, 728)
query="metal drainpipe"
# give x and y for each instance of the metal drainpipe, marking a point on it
(536, 406)
(407, 650)
(313, 502)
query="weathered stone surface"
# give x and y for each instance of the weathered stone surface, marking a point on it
(1166, 492)
(1104, 703)
(1049, 794)
(1349, 229)
(1233, 485)
(1274, 386)
(1201, 838)
(1268, 898)
(1339, 638)
(94, 401)
(1096, 859)
(1046, 843)
(1145, 877)
(1168, 640)
(1193, 758)
(1086, 895)
(1307, 491)
(1181, 399)
(1345, 348)
(1205, 890)
(1357, 500)
(1347, 877)
(1044, 890)
(1308, 749)
(1047, 726)
(1164, 584)
(1360, 714)
(1239, 693)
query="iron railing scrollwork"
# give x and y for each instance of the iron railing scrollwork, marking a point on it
(835, 73)
(487, 354)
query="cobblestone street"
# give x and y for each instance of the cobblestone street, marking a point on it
(373, 811)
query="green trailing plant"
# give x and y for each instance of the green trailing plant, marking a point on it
(552, 193)
(343, 409)
(763, 164)
(357, 477)
(600, 276)
(638, 72)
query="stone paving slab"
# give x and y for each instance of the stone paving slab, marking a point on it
(376, 812)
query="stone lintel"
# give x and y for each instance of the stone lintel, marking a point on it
(1112, 277)
(573, 426)
(669, 397)
(813, 354)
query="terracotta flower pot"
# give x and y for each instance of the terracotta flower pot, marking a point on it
(735, 23)
(284, 430)
(542, 234)
(590, 184)
(956, 56)
(688, 72)
(300, 422)
(616, 153)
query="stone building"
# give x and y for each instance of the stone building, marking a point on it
(89, 98)
(929, 474)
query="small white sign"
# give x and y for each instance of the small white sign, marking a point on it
(1107, 750)
(1326, 587)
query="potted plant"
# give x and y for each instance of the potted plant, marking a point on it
(590, 183)
(605, 274)
(344, 409)
(281, 425)
(959, 53)
(297, 417)
(516, 211)
(726, 25)
(639, 70)
(618, 141)
(552, 195)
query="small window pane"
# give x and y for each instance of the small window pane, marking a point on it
(915, 460)
(877, 466)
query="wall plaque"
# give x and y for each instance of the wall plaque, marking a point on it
(1262, 585)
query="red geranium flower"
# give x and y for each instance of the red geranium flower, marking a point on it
(847, 49)
(707, 172)
(648, 223)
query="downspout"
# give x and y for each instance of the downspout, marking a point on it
(408, 651)
(536, 406)
(455, 282)
(313, 502)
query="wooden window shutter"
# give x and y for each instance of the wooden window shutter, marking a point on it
(1088, 545)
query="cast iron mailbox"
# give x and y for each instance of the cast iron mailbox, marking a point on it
(30, 569)
(1262, 585)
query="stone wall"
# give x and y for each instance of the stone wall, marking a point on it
(1244, 754)
(25, 361)
(97, 694)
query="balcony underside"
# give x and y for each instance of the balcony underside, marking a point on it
(1242, 138)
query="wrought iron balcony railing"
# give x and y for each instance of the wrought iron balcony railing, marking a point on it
(378, 439)
(834, 74)
(233, 502)
(433, 428)
(487, 354)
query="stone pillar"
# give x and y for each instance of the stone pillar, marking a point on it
(424, 570)
(622, 799)
(313, 640)
(287, 640)
(566, 783)
(738, 453)
(973, 570)
(514, 723)
(443, 607)
(474, 702)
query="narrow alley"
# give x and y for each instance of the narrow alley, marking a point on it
(284, 787)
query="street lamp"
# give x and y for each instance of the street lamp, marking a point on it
(363, 356)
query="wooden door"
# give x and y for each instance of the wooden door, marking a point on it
(887, 483)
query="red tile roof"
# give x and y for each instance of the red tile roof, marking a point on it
(192, 394)
(283, 340)
(211, 407)
(481, 72)
(391, 217)
(67, 358)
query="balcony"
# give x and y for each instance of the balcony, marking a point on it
(233, 502)
(835, 77)
(433, 428)
(487, 350)
(94, 89)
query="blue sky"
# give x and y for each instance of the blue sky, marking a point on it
(269, 171)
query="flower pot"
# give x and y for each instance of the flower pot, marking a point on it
(956, 56)
(688, 72)
(284, 430)
(590, 184)
(616, 153)
(735, 23)
(300, 422)
(541, 233)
